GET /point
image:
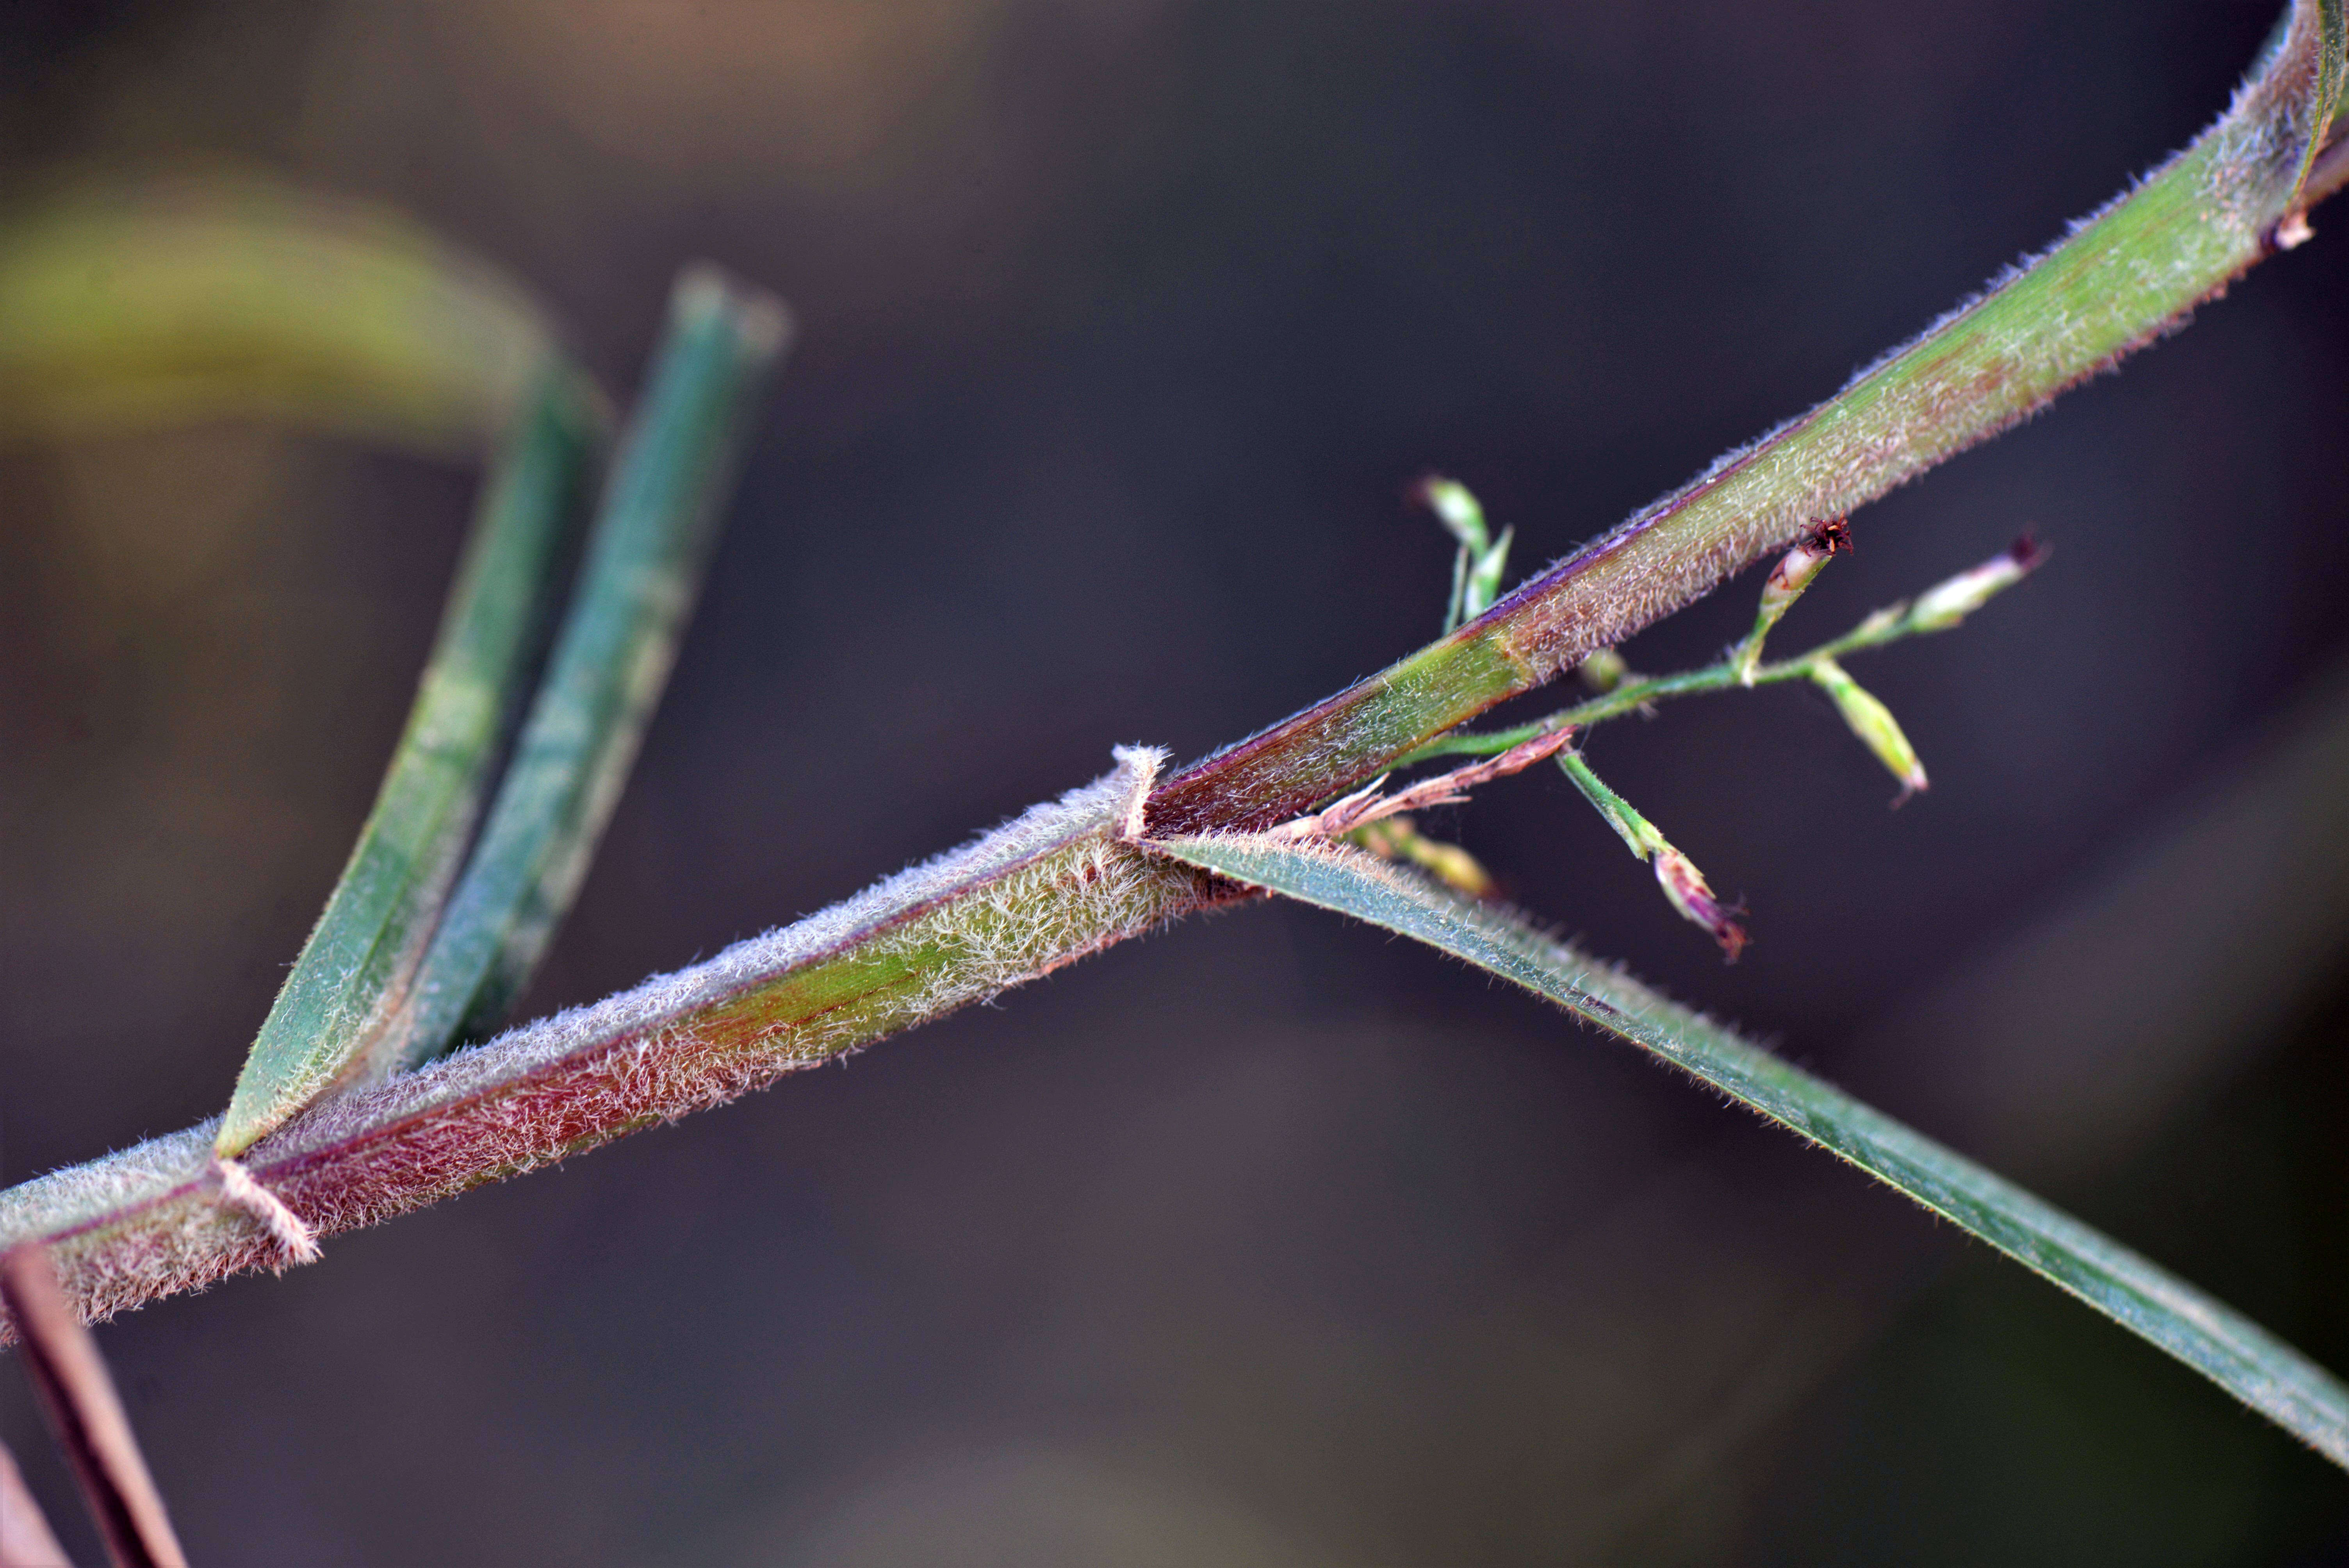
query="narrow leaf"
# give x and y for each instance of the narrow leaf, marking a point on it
(129, 306)
(2209, 1336)
(645, 562)
(360, 957)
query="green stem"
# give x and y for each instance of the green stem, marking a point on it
(365, 950)
(1635, 831)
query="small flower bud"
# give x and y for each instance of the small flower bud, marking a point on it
(1457, 509)
(1874, 724)
(1476, 571)
(1786, 584)
(1685, 886)
(1396, 839)
(1944, 604)
(1603, 671)
(1793, 573)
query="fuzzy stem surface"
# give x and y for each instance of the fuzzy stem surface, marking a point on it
(2125, 277)
(1067, 880)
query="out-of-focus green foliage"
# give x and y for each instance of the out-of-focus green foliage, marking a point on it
(203, 298)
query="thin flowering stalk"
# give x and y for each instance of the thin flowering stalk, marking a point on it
(1684, 885)
(2121, 280)
(1938, 609)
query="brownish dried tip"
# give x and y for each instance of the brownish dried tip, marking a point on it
(1686, 887)
(1366, 805)
(1832, 537)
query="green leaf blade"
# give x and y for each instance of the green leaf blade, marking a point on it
(360, 957)
(2206, 1335)
(651, 543)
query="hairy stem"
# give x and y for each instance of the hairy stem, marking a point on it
(1067, 880)
(1042, 891)
(2124, 278)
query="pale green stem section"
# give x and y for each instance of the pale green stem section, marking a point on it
(125, 308)
(645, 564)
(1634, 830)
(360, 957)
(1684, 885)
(2206, 1335)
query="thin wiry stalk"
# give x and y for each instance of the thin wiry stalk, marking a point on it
(1919, 618)
(25, 1540)
(1066, 879)
(79, 1398)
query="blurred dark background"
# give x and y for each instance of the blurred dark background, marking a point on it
(1125, 325)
